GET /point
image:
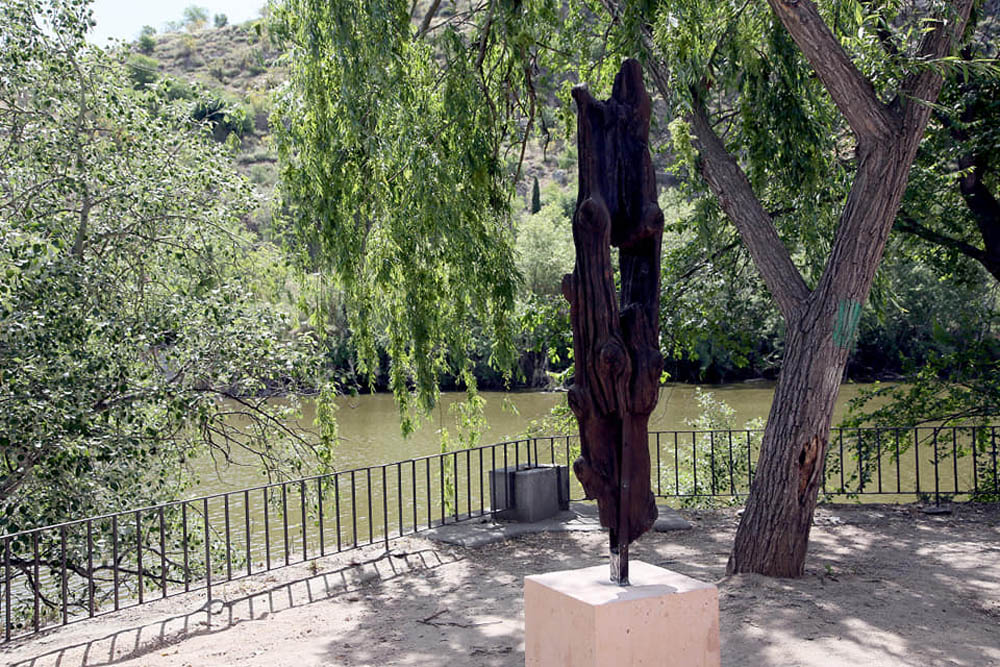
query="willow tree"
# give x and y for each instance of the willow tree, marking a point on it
(802, 119)
(876, 75)
(126, 311)
(399, 143)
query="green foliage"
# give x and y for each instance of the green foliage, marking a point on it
(470, 427)
(717, 321)
(560, 421)
(177, 89)
(944, 332)
(544, 249)
(394, 179)
(225, 116)
(131, 299)
(220, 20)
(716, 461)
(195, 17)
(738, 61)
(188, 48)
(147, 41)
(143, 70)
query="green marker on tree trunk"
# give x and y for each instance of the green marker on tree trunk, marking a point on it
(848, 317)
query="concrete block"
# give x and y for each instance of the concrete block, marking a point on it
(563, 484)
(536, 494)
(578, 618)
(529, 494)
(502, 490)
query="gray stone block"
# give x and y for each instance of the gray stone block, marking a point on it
(536, 494)
(502, 490)
(669, 520)
(528, 494)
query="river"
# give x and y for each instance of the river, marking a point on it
(370, 432)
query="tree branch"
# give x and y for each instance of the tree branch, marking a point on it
(881, 176)
(853, 94)
(730, 185)
(425, 25)
(908, 225)
(925, 84)
(732, 189)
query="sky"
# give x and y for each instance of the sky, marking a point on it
(122, 19)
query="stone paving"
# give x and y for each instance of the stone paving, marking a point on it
(579, 517)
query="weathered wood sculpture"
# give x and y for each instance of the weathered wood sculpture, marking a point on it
(618, 363)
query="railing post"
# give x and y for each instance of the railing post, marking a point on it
(385, 511)
(6, 589)
(302, 505)
(937, 479)
(36, 593)
(246, 527)
(65, 584)
(90, 567)
(229, 555)
(319, 509)
(208, 567)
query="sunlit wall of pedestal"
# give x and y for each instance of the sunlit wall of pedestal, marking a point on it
(578, 618)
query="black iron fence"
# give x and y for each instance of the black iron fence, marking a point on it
(97, 565)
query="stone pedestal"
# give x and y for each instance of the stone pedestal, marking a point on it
(578, 618)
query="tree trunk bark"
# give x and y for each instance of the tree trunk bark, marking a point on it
(773, 535)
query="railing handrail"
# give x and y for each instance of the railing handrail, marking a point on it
(437, 455)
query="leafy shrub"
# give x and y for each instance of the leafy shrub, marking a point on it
(146, 40)
(225, 117)
(544, 248)
(195, 17)
(711, 464)
(177, 89)
(220, 20)
(142, 70)
(188, 48)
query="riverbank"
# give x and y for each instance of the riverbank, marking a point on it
(885, 585)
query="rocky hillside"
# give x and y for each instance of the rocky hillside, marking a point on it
(241, 68)
(231, 68)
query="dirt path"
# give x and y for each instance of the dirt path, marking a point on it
(885, 586)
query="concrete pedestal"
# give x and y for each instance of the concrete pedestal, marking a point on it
(577, 618)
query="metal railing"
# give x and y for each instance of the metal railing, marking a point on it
(88, 567)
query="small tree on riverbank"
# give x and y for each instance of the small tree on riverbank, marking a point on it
(126, 311)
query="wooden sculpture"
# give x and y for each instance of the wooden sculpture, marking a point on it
(616, 336)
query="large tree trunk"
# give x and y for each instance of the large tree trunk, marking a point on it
(774, 533)
(616, 347)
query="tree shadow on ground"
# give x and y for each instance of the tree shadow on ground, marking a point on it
(228, 611)
(473, 615)
(884, 585)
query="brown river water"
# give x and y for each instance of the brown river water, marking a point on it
(370, 431)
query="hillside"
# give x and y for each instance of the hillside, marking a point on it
(240, 66)
(237, 67)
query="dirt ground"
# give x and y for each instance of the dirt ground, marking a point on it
(884, 586)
